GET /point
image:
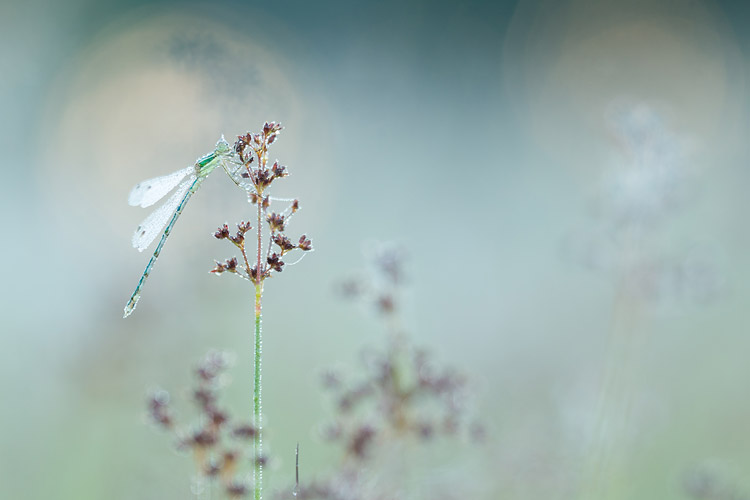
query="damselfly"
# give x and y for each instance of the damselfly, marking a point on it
(148, 192)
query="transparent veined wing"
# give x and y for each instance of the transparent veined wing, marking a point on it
(151, 227)
(148, 192)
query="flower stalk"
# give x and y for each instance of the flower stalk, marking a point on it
(255, 176)
(257, 396)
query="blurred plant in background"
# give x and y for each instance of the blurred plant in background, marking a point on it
(638, 202)
(401, 401)
(217, 440)
(639, 197)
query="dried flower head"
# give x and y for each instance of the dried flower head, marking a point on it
(223, 232)
(403, 395)
(257, 177)
(216, 437)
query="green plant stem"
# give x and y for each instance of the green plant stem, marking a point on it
(257, 403)
(257, 387)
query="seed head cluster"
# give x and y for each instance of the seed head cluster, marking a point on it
(215, 439)
(402, 395)
(256, 176)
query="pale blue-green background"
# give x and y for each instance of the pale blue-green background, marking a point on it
(472, 133)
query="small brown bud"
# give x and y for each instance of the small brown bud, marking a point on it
(283, 242)
(244, 431)
(239, 147)
(222, 233)
(361, 440)
(262, 178)
(275, 262)
(204, 397)
(279, 170)
(386, 304)
(159, 409)
(217, 417)
(275, 221)
(238, 239)
(204, 439)
(237, 490)
(231, 265)
(304, 243)
(230, 456)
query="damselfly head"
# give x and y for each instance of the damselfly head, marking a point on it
(222, 146)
